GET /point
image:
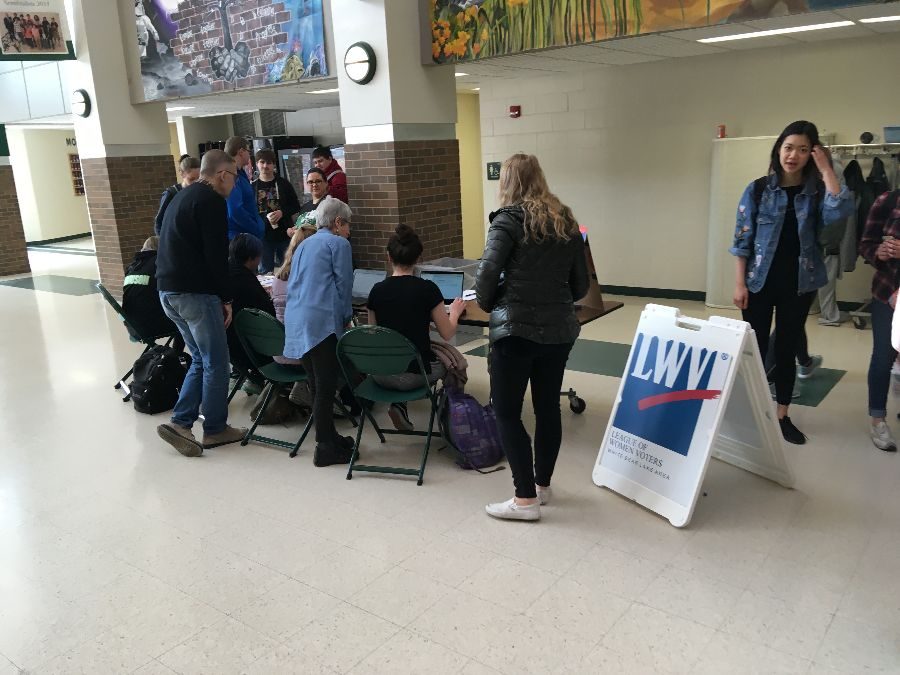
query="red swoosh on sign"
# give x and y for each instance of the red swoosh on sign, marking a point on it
(685, 395)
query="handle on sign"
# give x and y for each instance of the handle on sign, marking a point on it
(690, 324)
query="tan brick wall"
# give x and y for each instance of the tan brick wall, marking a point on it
(13, 256)
(123, 196)
(410, 182)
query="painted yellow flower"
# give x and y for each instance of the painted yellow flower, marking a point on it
(435, 49)
(472, 11)
(463, 36)
(484, 35)
(516, 3)
(476, 48)
(461, 17)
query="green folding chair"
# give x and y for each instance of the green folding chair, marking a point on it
(370, 351)
(262, 337)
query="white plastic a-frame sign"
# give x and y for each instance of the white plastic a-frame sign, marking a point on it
(691, 389)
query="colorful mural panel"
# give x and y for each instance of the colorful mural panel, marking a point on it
(465, 30)
(191, 47)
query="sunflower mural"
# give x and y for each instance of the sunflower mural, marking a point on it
(465, 30)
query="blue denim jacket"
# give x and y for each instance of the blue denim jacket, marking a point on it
(756, 234)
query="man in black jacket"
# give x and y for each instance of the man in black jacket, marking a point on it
(192, 277)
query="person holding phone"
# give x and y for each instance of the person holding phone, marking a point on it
(779, 262)
(880, 246)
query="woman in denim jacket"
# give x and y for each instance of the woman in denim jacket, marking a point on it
(779, 259)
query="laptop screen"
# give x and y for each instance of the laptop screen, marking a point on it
(449, 283)
(364, 280)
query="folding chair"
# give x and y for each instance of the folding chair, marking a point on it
(377, 351)
(147, 340)
(262, 337)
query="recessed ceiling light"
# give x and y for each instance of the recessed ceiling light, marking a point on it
(323, 91)
(462, 74)
(476, 89)
(180, 107)
(880, 19)
(778, 31)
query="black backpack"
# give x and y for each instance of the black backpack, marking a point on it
(158, 375)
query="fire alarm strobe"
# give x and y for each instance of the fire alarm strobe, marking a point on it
(515, 111)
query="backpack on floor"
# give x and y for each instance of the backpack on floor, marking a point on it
(472, 428)
(158, 376)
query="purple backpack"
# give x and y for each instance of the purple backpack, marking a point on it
(472, 429)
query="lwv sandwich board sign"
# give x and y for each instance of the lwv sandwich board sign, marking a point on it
(692, 389)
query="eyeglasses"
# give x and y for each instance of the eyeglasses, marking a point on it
(230, 173)
(314, 182)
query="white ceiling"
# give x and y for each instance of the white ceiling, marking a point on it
(619, 52)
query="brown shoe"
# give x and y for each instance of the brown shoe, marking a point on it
(181, 438)
(224, 437)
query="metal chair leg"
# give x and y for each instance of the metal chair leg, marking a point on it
(306, 429)
(237, 385)
(355, 454)
(259, 416)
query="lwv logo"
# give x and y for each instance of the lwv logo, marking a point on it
(666, 369)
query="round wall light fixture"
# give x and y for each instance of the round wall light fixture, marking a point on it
(359, 62)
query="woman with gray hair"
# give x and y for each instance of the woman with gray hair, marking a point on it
(317, 311)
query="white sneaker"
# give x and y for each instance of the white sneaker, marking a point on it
(544, 494)
(509, 510)
(882, 437)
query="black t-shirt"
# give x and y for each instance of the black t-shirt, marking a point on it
(783, 270)
(404, 304)
(274, 195)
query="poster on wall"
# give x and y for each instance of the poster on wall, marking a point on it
(467, 30)
(191, 47)
(33, 28)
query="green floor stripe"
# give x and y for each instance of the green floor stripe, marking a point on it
(814, 390)
(609, 358)
(54, 283)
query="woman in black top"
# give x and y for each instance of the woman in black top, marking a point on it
(409, 304)
(779, 263)
(244, 254)
(535, 245)
(318, 188)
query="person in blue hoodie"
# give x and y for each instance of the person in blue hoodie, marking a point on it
(780, 221)
(243, 215)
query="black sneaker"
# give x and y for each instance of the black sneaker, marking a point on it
(791, 433)
(345, 442)
(327, 454)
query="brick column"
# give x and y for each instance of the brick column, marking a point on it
(122, 197)
(411, 182)
(13, 256)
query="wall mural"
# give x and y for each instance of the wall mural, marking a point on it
(465, 30)
(191, 47)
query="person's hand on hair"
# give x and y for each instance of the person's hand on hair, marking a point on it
(291, 231)
(822, 157)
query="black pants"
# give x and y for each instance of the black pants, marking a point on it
(803, 357)
(322, 366)
(515, 361)
(790, 311)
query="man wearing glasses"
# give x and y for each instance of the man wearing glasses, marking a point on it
(243, 215)
(192, 278)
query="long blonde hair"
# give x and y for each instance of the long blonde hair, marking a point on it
(300, 234)
(522, 183)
